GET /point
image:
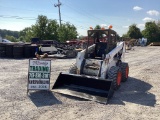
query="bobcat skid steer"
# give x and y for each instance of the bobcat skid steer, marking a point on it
(98, 71)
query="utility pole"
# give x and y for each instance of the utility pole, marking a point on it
(58, 5)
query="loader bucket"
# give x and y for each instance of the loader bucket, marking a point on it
(92, 88)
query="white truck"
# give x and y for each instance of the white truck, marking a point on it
(4, 40)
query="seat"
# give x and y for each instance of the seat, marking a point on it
(100, 49)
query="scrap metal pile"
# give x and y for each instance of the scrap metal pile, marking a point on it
(27, 50)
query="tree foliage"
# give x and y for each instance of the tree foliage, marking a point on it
(125, 35)
(52, 30)
(26, 34)
(47, 29)
(40, 27)
(97, 27)
(11, 38)
(158, 23)
(152, 32)
(44, 29)
(4, 32)
(134, 32)
(67, 32)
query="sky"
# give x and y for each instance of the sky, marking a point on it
(18, 14)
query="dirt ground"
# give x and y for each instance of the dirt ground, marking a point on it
(137, 99)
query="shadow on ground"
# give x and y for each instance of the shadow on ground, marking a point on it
(74, 97)
(43, 98)
(134, 91)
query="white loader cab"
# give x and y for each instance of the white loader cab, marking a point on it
(99, 69)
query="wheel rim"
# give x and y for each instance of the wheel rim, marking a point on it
(119, 77)
(127, 71)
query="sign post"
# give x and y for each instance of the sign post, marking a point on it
(39, 72)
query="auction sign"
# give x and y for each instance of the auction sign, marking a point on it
(39, 72)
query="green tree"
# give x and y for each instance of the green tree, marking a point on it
(51, 30)
(26, 34)
(67, 32)
(158, 23)
(11, 38)
(97, 27)
(4, 32)
(40, 28)
(125, 35)
(46, 29)
(151, 32)
(134, 32)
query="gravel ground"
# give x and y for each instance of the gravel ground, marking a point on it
(137, 99)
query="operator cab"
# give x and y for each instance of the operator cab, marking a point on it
(104, 41)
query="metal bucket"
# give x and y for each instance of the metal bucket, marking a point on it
(92, 88)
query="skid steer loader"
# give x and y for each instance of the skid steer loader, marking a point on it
(98, 71)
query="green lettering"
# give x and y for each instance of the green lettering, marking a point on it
(44, 68)
(39, 68)
(36, 68)
(47, 69)
(33, 68)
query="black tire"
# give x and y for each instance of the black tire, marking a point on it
(27, 51)
(18, 51)
(33, 50)
(125, 71)
(2, 54)
(2, 50)
(113, 75)
(73, 69)
(9, 50)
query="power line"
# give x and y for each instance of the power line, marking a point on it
(78, 11)
(88, 14)
(85, 12)
(31, 18)
(77, 26)
(74, 19)
(77, 20)
(18, 17)
(27, 10)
